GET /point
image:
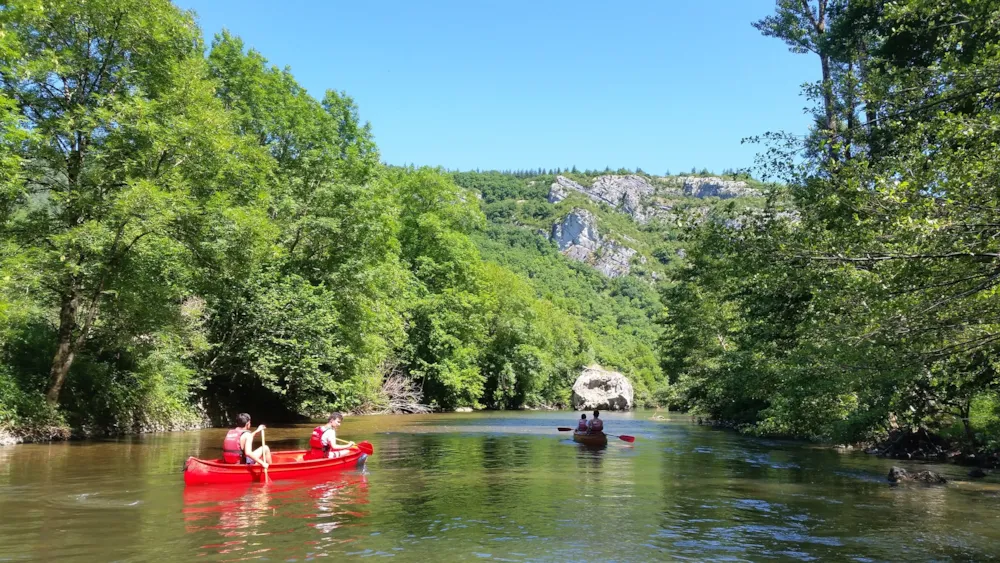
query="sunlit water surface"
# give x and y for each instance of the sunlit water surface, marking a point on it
(496, 487)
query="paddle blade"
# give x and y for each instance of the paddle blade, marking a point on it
(564, 429)
(628, 439)
(365, 447)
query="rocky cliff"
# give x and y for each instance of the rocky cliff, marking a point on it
(578, 238)
(641, 199)
(711, 186)
(625, 193)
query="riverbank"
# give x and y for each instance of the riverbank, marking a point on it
(58, 431)
(906, 444)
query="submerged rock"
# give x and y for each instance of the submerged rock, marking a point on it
(603, 390)
(898, 474)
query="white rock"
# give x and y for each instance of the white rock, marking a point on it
(713, 186)
(577, 237)
(602, 390)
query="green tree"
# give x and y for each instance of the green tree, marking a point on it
(128, 141)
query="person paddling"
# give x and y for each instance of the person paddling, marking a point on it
(582, 425)
(596, 424)
(323, 441)
(238, 444)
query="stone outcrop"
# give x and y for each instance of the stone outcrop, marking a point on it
(642, 199)
(625, 193)
(713, 186)
(898, 474)
(602, 390)
(578, 238)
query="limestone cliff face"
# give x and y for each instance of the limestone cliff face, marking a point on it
(644, 199)
(625, 193)
(640, 199)
(578, 238)
(712, 186)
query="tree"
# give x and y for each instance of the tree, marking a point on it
(127, 141)
(803, 26)
(315, 309)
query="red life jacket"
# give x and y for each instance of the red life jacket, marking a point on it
(597, 425)
(231, 450)
(582, 426)
(316, 441)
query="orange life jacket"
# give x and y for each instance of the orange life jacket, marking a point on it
(231, 450)
(597, 425)
(316, 441)
(582, 426)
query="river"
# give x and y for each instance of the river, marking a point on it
(495, 487)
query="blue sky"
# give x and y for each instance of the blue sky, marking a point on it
(660, 84)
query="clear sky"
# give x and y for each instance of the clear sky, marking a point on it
(658, 84)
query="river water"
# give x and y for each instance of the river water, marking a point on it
(495, 487)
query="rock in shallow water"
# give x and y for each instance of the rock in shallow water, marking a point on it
(898, 474)
(603, 390)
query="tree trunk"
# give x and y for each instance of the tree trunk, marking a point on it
(65, 351)
(828, 104)
(970, 436)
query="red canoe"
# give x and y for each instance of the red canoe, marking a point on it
(287, 465)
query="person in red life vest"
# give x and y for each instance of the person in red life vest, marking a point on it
(323, 441)
(582, 425)
(596, 424)
(238, 445)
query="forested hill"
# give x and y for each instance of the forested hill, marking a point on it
(600, 246)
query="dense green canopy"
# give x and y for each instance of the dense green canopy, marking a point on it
(865, 298)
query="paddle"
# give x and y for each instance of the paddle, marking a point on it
(263, 442)
(623, 437)
(365, 447)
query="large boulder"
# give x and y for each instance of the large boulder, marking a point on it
(603, 390)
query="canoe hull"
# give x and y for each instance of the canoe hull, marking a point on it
(600, 439)
(287, 465)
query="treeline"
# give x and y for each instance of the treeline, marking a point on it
(865, 298)
(535, 172)
(186, 235)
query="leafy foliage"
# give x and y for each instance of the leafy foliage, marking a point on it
(871, 305)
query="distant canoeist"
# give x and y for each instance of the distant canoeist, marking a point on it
(582, 425)
(596, 424)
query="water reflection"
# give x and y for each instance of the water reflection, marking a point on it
(243, 516)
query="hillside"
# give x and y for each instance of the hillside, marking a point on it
(601, 246)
